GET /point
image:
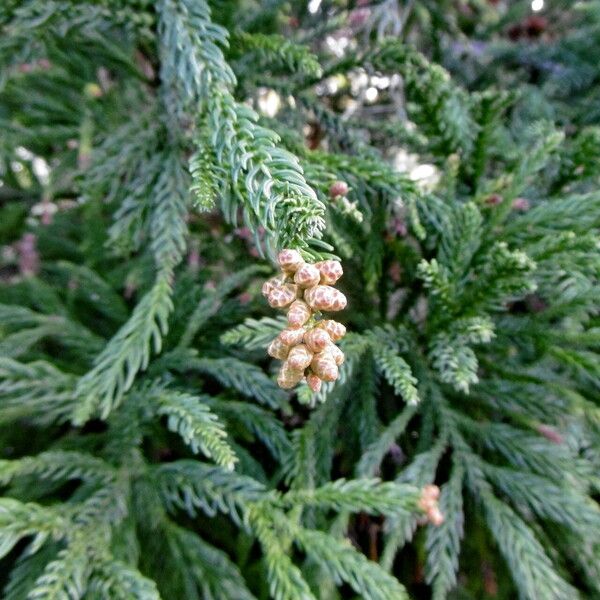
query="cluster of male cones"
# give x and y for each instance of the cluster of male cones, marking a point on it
(307, 346)
(428, 503)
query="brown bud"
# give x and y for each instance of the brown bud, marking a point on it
(299, 357)
(292, 337)
(317, 339)
(283, 295)
(325, 297)
(330, 270)
(314, 382)
(277, 349)
(307, 276)
(336, 354)
(288, 377)
(269, 285)
(335, 330)
(290, 260)
(338, 188)
(298, 314)
(324, 366)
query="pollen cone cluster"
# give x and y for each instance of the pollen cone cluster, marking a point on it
(307, 346)
(429, 504)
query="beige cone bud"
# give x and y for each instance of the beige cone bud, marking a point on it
(283, 295)
(314, 382)
(292, 337)
(290, 260)
(307, 276)
(335, 330)
(336, 354)
(299, 357)
(277, 349)
(317, 339)
(435, 516)
(330, 270)
(298, 314)
(289, 377)
(269, 285)
(324, 366)
(324, 297)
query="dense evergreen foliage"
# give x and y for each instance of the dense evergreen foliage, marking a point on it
(154, 156)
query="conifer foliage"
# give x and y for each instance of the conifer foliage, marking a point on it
(155, 159)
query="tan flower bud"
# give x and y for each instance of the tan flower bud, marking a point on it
(289, 377)
(335, 330)
(314, 382)
(325, 297)
(269, 285)
(317, 339)
(277, 349)
(336, 354)
(307, 276)
(435, 516)
(298, 314)
(290, 260)
(330, 270)
(299, 357)
(283, 295)
(292, 337)
(324, 366)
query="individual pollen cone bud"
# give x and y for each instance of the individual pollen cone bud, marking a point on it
(298, 314)
(307, 276)
(277, 349)
(283, 295)
(317, 339)
(331, 271)
(299, 357)
(335, 330)
(290, 260)
(336, 354)
(338, 188)
(289, 377)
(324, 297)
(292, 337)
(314, 382)
(324, 366)
(435, 516)
(270, 285)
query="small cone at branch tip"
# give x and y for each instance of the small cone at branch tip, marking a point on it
(338, 188)
(299, 357)
(283, 295)
(335, 330)
(435, 516)
(325, 297)
(298, 314)
(269, 285)
(317, 339)
(289, 377)
(428, 503)
(292, 337)
(277, 349)
(314, 382)
(290, 260)
(431, 491)
(330, 270)
(307, 276)
(336, 354)
(324, 366)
